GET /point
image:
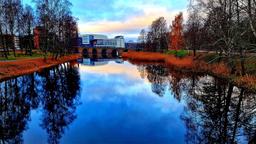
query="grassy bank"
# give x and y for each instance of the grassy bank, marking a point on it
(9, 69)
(192, 64)
(20, 55)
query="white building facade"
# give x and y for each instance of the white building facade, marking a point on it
(96, 40)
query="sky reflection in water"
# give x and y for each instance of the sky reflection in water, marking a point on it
(122, 103)
(118, 106)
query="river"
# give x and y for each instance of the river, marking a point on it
(111, 101)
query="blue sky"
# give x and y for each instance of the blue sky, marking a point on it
(122, 17)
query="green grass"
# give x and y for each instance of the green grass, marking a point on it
(171, 52)
(182, 53)
(178, 53)
(34, 55)
(11, 57)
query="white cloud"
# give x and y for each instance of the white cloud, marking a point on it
(133, 24)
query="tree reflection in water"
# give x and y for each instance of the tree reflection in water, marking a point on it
(157, 75)
(57, 89)
(15, 108)
(60, 100)
(216, 111)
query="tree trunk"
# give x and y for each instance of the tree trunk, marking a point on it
(13, 45)
(251, 18)
(2, 43)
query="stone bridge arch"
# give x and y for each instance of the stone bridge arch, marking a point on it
(85, 53)
(103, 52)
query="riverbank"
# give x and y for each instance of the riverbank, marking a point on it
(9, 69)
(193, 64)
(185, 63)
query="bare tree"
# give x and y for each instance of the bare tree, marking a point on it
(43, 13)
(3, 47)
(28, 23)
(157, 36)
(142, 39)
(228, 27)
(193, 35)
(251, 5)
(58, 24)
(11, 9)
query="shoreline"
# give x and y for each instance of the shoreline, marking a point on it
(185, 63)
(11, 69)
(190, 64)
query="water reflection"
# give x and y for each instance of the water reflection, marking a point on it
(98, 62)
(157, 75)
(125, 103)
(56, 89)
(215, 110)
(15, 108)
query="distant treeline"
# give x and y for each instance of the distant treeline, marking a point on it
(225, 26)
(53, 17)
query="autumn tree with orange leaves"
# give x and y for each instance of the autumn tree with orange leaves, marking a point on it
(176, 41)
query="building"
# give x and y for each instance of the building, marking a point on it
(96, 40)
(10, 41)
(120, 41)
(26, 41)
(16, 42)
(39, 33)
(41, 36)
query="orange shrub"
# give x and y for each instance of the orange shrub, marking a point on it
(220, 69)
(186, 62)
(144, 56)
(247, 81)
(200, 66)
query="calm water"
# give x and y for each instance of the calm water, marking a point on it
(114, 101)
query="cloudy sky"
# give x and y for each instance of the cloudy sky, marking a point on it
(123, 17)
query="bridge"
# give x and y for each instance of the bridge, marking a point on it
(102, 52)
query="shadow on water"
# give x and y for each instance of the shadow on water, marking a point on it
(215, 110)
(56, 89)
